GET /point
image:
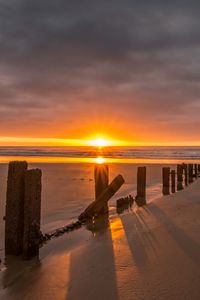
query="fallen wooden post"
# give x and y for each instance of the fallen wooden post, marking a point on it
(173, 181)
(166, 180)
(32, 213)
(14, 219)
(140, 198)
(95, 208)
(101, 176)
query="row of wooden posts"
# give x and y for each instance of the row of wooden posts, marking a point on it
(23, 200)
(184, 175)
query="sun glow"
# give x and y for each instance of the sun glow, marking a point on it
(100, 142)
(100, 160)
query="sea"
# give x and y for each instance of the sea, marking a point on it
(114, 154)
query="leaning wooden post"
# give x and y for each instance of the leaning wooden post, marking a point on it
(173, 181)
(95, 208)
(101, 176)
(190, 166)
(14, 224)
(195, 170)
(179, 177)
(166, 179)
(140, 198)
(32, 212)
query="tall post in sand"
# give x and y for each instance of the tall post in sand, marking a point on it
(185, 168)
(32, 212)
(179, 177)
(141, 186)
(173, 181)
(14, 221)
(190, 166)
(101, 176)
(196, 170)
(166, 180)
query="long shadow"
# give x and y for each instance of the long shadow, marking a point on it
(186, 243)
(140, 238)
(92, 273)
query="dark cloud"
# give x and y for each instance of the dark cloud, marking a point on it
(129, 59)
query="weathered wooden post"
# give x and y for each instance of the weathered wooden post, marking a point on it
(190, 166)
(195, 170)
(173, 181)
(185, 168)
(32, 212)
(101, 176)
(198, 168)
(95, 208)
(14, 221)
(179, 177)
(140, 198)
(166, 179)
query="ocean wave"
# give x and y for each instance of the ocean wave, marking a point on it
(115, 152)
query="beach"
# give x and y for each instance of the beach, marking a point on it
(145, 253)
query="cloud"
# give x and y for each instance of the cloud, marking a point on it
(64, 62)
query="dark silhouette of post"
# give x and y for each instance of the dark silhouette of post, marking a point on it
(185, 169)
(173, 181)
(14, 221)
(195, 170)
(95, 208)
(101, 176)
(166, 180)
(140, 198)
(32, 213)
(179, 177)
(198, 168)
(190, 171)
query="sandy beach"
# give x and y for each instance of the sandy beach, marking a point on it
(146, 253)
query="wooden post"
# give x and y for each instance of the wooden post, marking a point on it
(95, 208)
(195, 170)
(190, 173)
(173, 181)
(185, 168)
(198, 168)
(140, 199)
(179, 177)
(101, 176)
(32, 213)
(14, 224)
(180, 173)
(166, 179)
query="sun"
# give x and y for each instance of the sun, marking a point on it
(99, 142)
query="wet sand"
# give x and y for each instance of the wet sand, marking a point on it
(147, 253)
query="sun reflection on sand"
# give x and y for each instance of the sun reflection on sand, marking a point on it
(125, 267)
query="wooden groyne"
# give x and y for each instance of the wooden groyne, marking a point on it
(23, 202)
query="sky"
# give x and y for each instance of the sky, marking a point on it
(126, 70)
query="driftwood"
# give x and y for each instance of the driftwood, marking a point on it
(95, 207)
